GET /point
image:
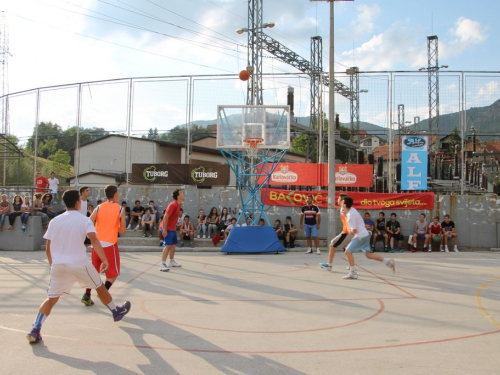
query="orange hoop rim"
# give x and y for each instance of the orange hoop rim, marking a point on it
(253, 142)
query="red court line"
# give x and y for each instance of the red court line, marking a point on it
(378, 312)
(220, 351)
(386, 281)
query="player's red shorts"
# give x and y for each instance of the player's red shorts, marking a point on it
(113, 256)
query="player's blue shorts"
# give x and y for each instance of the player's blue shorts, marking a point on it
(171, 238)
(359, 244)
(311, 230)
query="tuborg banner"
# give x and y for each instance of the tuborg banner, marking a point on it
(206, 174)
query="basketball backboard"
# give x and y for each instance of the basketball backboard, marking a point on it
(237, 123)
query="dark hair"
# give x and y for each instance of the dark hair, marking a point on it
(124, 202)
(422, 214)
(47, 195)
(186, 216)
(342, 195)
(278, 220)
(175, 193)
(110, 191)
(289, 217)
(367, 213)
(181, 209)
(446, 216)
(151, 201)
(309, 196)
(383, 214)
(348, 202)
(137, 201)
(436, 217)
(70, 197)
(212, 212)
(233, 219)
(394, 214)
(83, 188)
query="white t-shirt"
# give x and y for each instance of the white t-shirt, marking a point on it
(67, 233)
(355, 221)
(53, 183)
(83, 208)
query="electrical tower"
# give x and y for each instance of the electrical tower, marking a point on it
(254, 85)
(353, 73)
(433, 83)
(316, 109)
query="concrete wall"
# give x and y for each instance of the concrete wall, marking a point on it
(14, 239)
(476, 217)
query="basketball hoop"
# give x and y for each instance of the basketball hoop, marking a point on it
(252, 144)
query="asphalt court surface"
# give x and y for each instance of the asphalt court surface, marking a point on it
(262, 314)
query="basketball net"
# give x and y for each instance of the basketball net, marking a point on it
(252, 144)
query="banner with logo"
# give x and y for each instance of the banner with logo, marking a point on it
(414, 166)
(382, 201)
(207, 174)
(313, 174)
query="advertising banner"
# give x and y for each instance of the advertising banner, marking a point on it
(313, 174)
(207, 174)
(402, 201)
(414, 166)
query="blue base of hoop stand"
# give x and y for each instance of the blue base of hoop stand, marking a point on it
(253, 239)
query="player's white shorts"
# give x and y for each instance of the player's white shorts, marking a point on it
(64, 276)
(341, 241)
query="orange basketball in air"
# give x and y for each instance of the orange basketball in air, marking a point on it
(244, 75)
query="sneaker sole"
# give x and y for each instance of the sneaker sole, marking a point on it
(168, 269)
(350, 278)
(33, 339)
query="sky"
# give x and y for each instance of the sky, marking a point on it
(55, 42)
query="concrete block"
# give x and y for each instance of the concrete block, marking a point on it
(30, 240)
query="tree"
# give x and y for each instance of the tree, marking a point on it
(61, 160)
(178, 134)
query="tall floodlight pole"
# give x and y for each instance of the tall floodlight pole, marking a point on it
(331, 128)
(254, 86)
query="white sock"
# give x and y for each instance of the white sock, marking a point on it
(111, 306)
(353, 268)
(386, 261)
(425, 245)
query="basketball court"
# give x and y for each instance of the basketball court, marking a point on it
(262, 314)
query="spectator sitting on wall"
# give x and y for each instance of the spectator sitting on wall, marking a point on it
(277, 229)
(37, 210)
(394, 231)
(435, 232)
(421, 229)
(248, 222)
(225, 220)
(290, 233)
(369, 225)
(154, 211)
(230, 227)
(15, 210)
(136, 216)
(148, 223)
(127, 213)
(180, 219)
(186, 232)
(202, 224)
(213, 222)
(4, 210)
(448, 228)
(47, 206)
(26, 209)
(380, 231)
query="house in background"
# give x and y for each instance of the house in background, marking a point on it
(109, 160)
(371, 142)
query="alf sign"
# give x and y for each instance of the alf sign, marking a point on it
(414, 167)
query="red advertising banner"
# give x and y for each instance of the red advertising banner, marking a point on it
(313, 174)
(368, 201)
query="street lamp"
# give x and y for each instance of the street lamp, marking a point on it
(264, 26)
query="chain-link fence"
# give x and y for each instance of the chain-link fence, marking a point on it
(396, 102)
